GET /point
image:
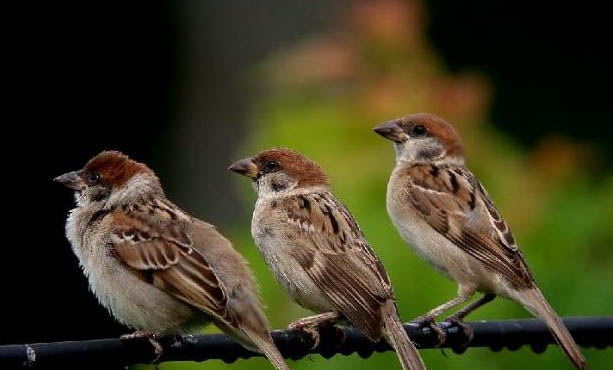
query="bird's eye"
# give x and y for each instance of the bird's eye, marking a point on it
(418, 131)
(271, 166)
(93, 178)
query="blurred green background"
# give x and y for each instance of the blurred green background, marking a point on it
(323, 94)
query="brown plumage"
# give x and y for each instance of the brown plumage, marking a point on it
(317, 251)
(443, 195)
(303, 170)
(153, 266)
(115, 168)
(445, 214)
(435, 127)
(336, 250)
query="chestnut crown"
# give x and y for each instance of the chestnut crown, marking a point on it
(301, 169)
(107, 171)
(423, 126)
(113, 169)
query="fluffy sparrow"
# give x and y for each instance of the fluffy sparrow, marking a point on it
(442, 210)
(317, 251)
(153, 266)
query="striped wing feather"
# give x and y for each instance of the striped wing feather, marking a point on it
(455, 204)
(158, 248)
(338, 259)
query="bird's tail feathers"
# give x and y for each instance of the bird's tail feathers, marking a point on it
(536, 303)
(398, 338)
(265, 344)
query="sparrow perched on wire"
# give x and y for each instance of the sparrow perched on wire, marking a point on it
(442, 210)
(154, 267)
(318, 253)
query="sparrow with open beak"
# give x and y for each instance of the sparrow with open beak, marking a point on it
(442, 210)
(317, 251)
(153, 266)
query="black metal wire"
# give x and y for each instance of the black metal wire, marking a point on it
(512, 334)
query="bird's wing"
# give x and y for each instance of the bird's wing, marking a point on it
(453, 202)
(152, 240)
(336, 256)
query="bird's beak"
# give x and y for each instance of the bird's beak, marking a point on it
(392, 131)
(245, 167)
(71, 180)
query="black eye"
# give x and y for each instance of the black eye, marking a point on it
(93, 178)
(271, 166)
(418, 131)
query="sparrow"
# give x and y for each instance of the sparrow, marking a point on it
(153, 266)
(440, 208)
(318, 253)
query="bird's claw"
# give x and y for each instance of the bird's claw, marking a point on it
(466, 329)
(309, 329)
(152, 337)
(429, 322)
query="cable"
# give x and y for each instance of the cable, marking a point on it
(512, 334)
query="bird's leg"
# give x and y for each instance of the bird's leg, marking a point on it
(153, 338)
(458, 317)
(428, 320)
(461, 314)
(312, 324)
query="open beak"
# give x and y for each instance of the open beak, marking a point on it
(391, 131)
(71, 180)
(245, 167)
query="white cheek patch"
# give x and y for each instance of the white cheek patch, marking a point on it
(275, 184)
(419, 149)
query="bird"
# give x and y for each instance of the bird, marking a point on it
(318, 253)
(153, 266)
(442, 210)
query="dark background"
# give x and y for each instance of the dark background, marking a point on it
(139, 77)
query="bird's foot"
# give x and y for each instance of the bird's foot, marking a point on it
(466, 329)
(152, 337)
(427, 321)
(309, 328)
(313, 325)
